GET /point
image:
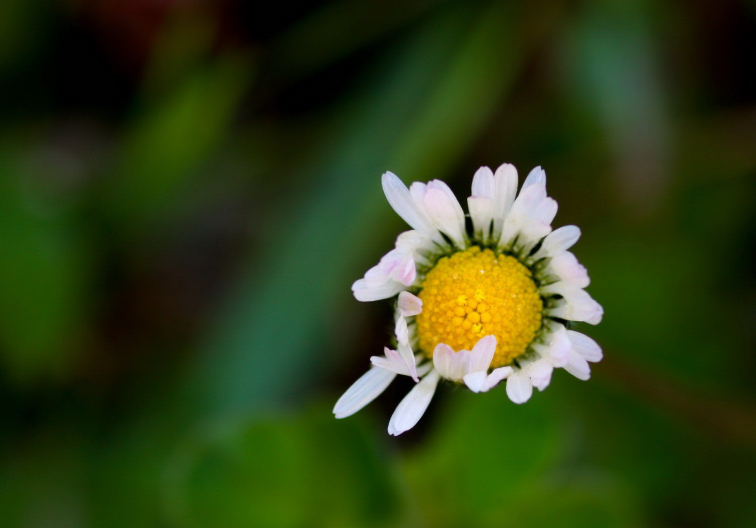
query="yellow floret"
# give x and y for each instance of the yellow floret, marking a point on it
(454, 311)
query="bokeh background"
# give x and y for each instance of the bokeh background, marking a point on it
(189, 188)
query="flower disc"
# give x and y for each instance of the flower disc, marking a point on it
(475, 293)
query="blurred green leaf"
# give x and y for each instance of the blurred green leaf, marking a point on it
(485, 456)
(43, 481)
(591, 500)
(287, 471)
(45, 281)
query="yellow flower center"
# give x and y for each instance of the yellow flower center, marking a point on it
(475, 293)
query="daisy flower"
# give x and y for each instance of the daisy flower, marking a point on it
(477, 303)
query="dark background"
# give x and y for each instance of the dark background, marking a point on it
(189, 188)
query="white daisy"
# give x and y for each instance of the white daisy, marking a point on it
(477, 306)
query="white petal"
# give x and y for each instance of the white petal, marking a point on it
(441, 186)
(497, 375)
(558, 241)
(363, 391)
(480, 382)
(560, 347)
(401, 330)
(531, 232)
(449, 364)
(399, 198)
(566, 266)
(483, 183)
(366, 292)
(536, 177)
(519, 387)
(417, 192)
(482, 354)
(540, 373)
(546, 211)
(505, 181)
(413, 406)
(481, 212)
(585, 346)
(442, 359)
(522, 212)
(409, 305)
(476, 381)
(408, 357)
(577, 304)
(446, 213)
(578, 366)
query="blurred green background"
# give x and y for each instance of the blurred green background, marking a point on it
(189, 188)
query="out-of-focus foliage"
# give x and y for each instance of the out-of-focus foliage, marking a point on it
(188, 189)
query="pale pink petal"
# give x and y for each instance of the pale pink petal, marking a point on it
(566, 266)
(409, 305)
(404, 270)
(482, 354)
(449, 364)
(409, 359)
(401, 362)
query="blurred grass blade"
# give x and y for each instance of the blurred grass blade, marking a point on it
(329, 33)
(169, 141)
(474, 85)
(613, 61)
(45, 281)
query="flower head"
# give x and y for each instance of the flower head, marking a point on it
(480, 306)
